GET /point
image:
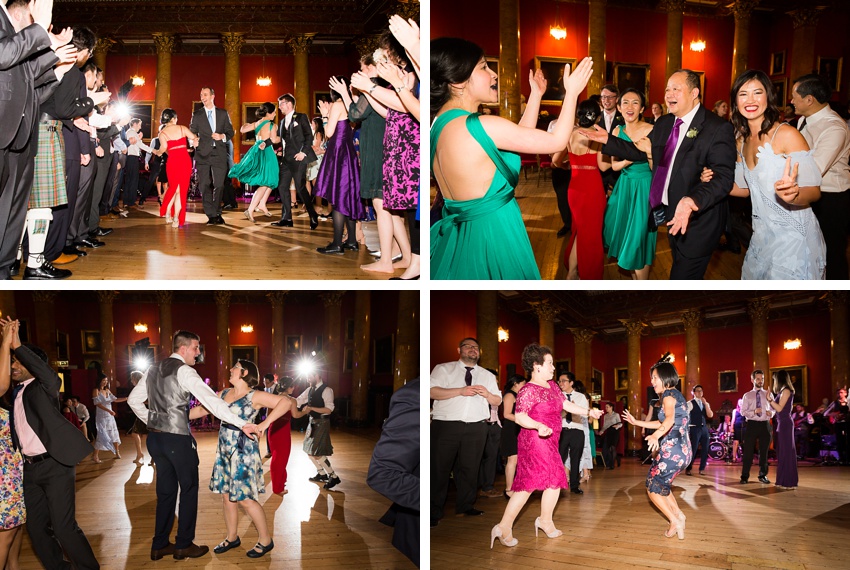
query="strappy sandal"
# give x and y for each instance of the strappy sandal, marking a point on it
(254, 553)
(226, 545)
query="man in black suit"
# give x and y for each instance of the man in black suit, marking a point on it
(51, 447)
(213, 127)
(608, 119)
(394, 470)
(682, 143)
(298, 152)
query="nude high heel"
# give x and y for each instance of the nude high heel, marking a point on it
(537, 526)
(497, 533)
(680, 529)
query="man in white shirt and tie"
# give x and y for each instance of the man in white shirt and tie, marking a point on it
(572, 435)
(214, 129)
(755, 409)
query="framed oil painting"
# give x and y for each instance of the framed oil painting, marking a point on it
(621, 379)
(561, 366)
(830, 69)
(777, 63)
(632, 75)
(597, 381)
(727, 381)
(799, 378)
(91, 342)
(553, 70)
(243, 352)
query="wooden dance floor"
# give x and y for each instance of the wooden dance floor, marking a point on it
(144, 247)
(613, 525)
(312, 528)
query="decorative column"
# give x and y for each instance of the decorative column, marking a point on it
(509, 84)
(164, 46)
(840, 339)
(675, 10)
(758, 309)
(596, 44)
(166, 330)
(360, 378)
(407, 339)
(546, 315)
(45, 323)
(278, 339)
(7, 304)
(233, 42)
(634, 329)
(222, 337)
(487, 330)
(693, 321)
(583, 368)
(803, 43)
(107, 333)
(101, 48)
(301, 48)
(741, 48)
(332, 343)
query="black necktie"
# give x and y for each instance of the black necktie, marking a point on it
(569, 415)
(15, 391)
(802, 125)
(468, 377)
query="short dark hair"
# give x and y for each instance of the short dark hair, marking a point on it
(288, 97)
(263, 110)
(90, 66)
(463, 341)
(694, 389)
(268, 377)
(183, 338)
(37, 351)
(691, 78)
(570, 376)
(756, 371)
(84, 38)
(667, 373)
(17, 4)
(533, 354)
(610, 87)
(212, 91)
(813, 85)
(252, 379)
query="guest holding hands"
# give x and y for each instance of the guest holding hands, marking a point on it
(671, 440)
(786, 455)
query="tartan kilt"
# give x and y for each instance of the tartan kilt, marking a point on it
(48, 187)
(317, 440)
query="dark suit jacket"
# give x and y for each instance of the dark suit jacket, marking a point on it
(610, 176)
(64, 442)
(206, 153)
(298, 137)
(394, 470)
(712, 147)
(618, 120)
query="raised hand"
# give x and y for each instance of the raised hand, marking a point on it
(628, 417)
(337, 85)
(361, 81)
(537, 81)
(786, 187)
(61, 39)
(391, 73)
(405, 31)
(324, 108)
(594, 413)
(596, 134)
(682, 216)
(42, 12)
(575, 82)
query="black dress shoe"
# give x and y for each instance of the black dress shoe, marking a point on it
(100, 232)
(254, 553)
(89, 242)
(314, 223)
(72, 250)
(226, 545)
(762, 478)
(219, 220)
(193, 551)
(688, 472)
(228, 207)
(282, 224)
(16, 268)
(563, 231)
(744, 481)
(157, 554)
(331, 249)
(319, 477)
(212, 221)
(332, 482)
(352, 246)
(46, 271)
(403, 279)
(470, 513)
(577, 491)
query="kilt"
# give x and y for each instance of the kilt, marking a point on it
(48, 187)
(317, 440)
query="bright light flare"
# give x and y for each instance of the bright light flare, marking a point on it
(305, 367)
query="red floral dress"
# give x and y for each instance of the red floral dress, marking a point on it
(538, 461)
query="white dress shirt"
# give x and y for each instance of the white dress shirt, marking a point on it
(683, 130)
(468, 409)
(829, 139)
(327, 397)
(133, 149)
(748, 406)
(188, 379)
(578, 399)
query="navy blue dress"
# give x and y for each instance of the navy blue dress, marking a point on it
(674, 452)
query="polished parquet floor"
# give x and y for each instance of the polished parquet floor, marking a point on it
(144, 247)
(613, 525)
(312, 528)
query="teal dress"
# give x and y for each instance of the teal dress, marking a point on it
(484, 238)
(238, 468)
(625, 231)
(258, 167)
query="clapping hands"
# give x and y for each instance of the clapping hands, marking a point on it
(337, 85)
(538, 82)
(361, 81)
(575, 82)
(405, 31)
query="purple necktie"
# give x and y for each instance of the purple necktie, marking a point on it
(758, 399)
(659, 177)
(468, 377)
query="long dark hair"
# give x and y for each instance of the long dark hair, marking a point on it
(771, 114)
(452, 61)
(512, 382)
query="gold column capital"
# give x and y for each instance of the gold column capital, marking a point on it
(582, 335)
(673, 5)
(545, 310)
(164, 42)
(634, 327)
(222, 298)
(407, 9)
(276, 297)
(165, 297)
(805, 17)
(692, 319)
(366, 45)
(301, 43)
(835, 299)
(103, 45)
(232, 42)
(44, 296)
(107, 296)
(743, 9)
(758, 309)
(332, 298)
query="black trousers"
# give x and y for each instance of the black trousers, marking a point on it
(455, 447)
(79, 228)
(699, 438)
(49, 494)
(842, 441)
(686, 267)
(833, 214)
(610, 439)
(211, 181)
(176, 458)
(16, 175)
(572, 444)
(561, 184)
(131, 180)
(291, 169)
(755, 431)
(490, 458)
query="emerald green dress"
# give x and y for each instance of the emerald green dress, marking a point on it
(484, 238)
(625, 231)
(257, 167)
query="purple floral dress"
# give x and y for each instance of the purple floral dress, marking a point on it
(401, 161)
(538, 462)
(674, 453)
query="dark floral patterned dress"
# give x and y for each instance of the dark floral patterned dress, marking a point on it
(674, 452)
(401, 161)
(238, 468)
(12, 510)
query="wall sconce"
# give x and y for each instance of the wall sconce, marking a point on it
(140, 328)
(264, 80)
(557, 31)
(247, 328)
(503, 335)
(793, 344)
(698, 44)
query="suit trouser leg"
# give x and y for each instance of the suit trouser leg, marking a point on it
(561, 184)
(832, 213)
(176, 458)
(15, 183)
(62, 215)
(285, 180)
(299, 171)
(444, 449)
(79, 223)
(219, 172)
(470, 451)
(764, 446)
(131, 180)
(97, 191)
(686, 267)
(705, 442)
(487, 470)
(205, 181)
(49, 494)
(749, 443)
(575, 448)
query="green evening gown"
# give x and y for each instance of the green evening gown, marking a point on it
(484, 238)
(257, 167)
(625, 231)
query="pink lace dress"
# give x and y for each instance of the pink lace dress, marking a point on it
(538, 462)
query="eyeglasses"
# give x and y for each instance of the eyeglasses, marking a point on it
(476, 347)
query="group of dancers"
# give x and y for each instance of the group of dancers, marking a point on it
(676, 172)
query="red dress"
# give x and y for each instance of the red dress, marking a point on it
(178, 167)
(280, 443)
(587, 204)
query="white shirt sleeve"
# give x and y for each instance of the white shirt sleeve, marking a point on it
(136, 399)
(99, 121)
(190, 381)
(328, 397)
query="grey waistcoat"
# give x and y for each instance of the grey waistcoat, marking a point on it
(168, 403)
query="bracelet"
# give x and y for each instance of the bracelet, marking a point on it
(399, 89)
(372, 88)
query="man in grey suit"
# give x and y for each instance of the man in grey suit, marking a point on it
(214, 129)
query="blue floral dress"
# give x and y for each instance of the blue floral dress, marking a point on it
(674, 452)
(107, 429)
(12, 511)
(238, 467)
